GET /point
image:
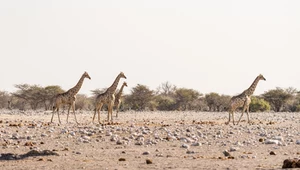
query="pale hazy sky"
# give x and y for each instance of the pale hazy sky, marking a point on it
(207, 45)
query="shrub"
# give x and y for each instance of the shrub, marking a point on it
(258, 104)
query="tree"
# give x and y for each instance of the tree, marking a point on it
(217, 102)
(81, 102)
(35, 95)
(165, 102)
(293, 102)
(31, 94)
(185, 97)
(258, 104)
(48, 95)
(96, 92)
(277, 98)
(166, 89)
(223, 103)
(5, 99)
(141, 98)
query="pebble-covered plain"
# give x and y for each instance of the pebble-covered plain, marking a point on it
(148, 140)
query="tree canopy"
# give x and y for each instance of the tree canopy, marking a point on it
(166, 97)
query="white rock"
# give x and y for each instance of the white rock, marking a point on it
(200, 134)
(63, 131)
(196, 144)
(298, 142)
(108, 134)
(86, 138)
(271, 141)
(183, 139)
(72, 133)
(238, 143)
(279, 138)
(185, 146)
(232, 149)
(15, 136)
(44, 135)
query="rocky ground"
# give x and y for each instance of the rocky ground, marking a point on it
(148, 140)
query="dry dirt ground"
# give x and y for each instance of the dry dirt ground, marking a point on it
(148, 140)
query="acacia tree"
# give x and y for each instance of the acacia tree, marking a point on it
(81, 102)
(165, 102)
(217, 102)
(165, 96)
(212, 100)
(185, 97)
(30, 94)
(166, 89)
(35, 95)
(277, 98)
(98, 91)
(293, 102)
(141, 97)
(48, 95)
(5, 99)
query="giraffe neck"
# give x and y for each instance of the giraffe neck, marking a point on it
(120, 92)
(251, 89)
(114, 86)
(77, 87)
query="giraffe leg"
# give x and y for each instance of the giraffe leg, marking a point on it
(118, 109)
(68, 113)
(99, 116)
(53, 111)
(110, 112)
(100, 107)
(248, 114)
(240, 117)
(244, 108)
(58, 115)
(94, 114)
(73, 108)
(229, 115)
(233, 118)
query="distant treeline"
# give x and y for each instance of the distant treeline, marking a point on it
(166, 97)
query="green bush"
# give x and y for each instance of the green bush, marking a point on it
(259, 105)
(165, 102)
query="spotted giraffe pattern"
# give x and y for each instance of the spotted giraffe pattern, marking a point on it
(243, 100)
(108, 97)
(118, 99)
(68, 98)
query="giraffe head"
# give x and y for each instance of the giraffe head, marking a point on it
(125, 84)
(261, 77)
(86, 75)
(122, 75)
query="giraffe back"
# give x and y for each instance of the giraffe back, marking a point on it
(238, 101)
(65, 98)
(105, 98)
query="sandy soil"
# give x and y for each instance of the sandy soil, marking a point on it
(168, 140)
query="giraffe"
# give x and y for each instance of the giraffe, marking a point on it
(108, 97)
(118, 99)
(243, 100)
(69, 98)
